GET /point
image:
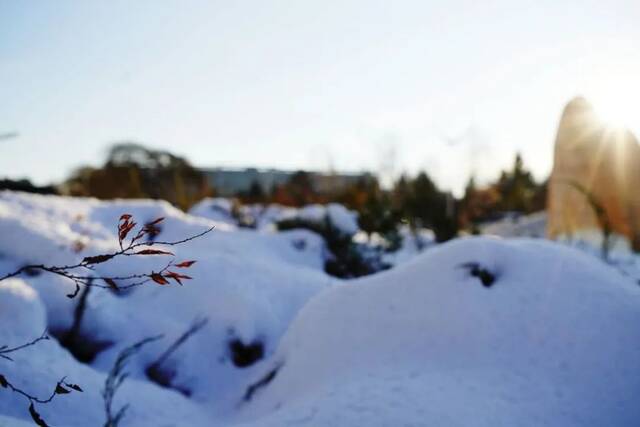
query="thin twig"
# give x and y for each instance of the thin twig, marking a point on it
(67, 271)
(193, 329)
(4, 350)
(115, 379)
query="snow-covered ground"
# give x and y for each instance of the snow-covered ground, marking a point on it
(552, 336)
(265, 217)
(516, 225)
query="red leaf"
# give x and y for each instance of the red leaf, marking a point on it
(153, 252)
(176, 276)
(173, 276)
(125, 229)
(159, 279)
(125, 217)
(185, 264)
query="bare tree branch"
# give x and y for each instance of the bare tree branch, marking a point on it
(4, 350)
(134, 247)
(62, 387)
(115, 379)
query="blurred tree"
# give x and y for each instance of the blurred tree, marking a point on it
(517, 188)
(134, 171)
(514, 191)
(477, 205)
(255, 194)
(375, 211)
(421, 204)
(297, 191)
(26, 186)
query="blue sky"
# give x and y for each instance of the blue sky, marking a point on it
(453, 87)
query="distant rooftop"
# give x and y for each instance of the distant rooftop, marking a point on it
(229, 181)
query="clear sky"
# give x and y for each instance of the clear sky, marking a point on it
(349, 85)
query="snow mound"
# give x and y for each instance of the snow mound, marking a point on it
(36, 369)
(249, 285)
(217, 209)
(478, 331)
(551, 340)
(516, 225)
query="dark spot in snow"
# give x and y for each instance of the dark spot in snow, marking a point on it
(261, 383)
(163, 376)
(299, 244)
(83, 347)
(487, 277)
(244, 355)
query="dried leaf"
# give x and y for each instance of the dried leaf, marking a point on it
(155, 221)
(153, 252)
(185, 264)
(61, 390)
(151, 229)
(98, 259)
(3, 381)
(175, 276)
(36, 416)
(112, 284)
(76, 387)
(159, 279)
(125, 217)
(125, 229)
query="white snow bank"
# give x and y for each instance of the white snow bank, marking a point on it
(516, 225)
(217, 209)
(554, 341)
(36, 369)
(264, 217)
(249, 285)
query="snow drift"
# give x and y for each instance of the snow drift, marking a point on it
(478, 331)
(553, 340)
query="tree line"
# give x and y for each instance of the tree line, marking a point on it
(132, 170)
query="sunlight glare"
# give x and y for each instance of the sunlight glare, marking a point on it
(616, 102)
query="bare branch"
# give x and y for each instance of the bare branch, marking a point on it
(62, 387)
(125, 225)
(193, 329)
(115, 379)
(4, 350)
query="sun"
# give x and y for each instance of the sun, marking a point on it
(616, 102)
(615, 111)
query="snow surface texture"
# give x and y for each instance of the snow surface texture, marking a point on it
(249, 285)
(552, 340)
(555, 340)
(515, 225)
(264, 217)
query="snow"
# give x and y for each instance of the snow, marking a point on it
(553, 341)
(532, 225)
(217, 209)
(249, 285)
(38, 368)
(264, 217)
(342, 219)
